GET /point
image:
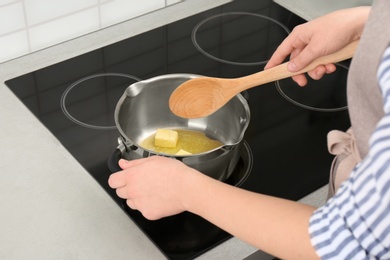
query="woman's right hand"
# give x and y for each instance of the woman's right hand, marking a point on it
(320, 37)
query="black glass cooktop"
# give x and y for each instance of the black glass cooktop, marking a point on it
(284, 153)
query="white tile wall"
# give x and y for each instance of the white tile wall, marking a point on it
(64, 28)
(31, 25)
(115, 11)
(13, 45)
(11, 18)
(4, 2)
(39, 11)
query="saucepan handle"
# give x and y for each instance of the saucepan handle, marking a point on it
(113, 159)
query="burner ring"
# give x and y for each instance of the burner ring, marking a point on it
(243, 167)
(200, 49)
(66, 92)
(288, 90)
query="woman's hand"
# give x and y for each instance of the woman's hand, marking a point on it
(320, 37)
(154, 185)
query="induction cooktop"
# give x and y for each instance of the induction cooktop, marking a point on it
(284, 152)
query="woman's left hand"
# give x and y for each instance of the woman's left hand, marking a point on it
(155, 185)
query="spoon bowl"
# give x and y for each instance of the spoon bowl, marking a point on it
(213, 93)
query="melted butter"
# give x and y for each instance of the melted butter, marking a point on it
(191, 141)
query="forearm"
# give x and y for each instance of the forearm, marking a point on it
(277, 226)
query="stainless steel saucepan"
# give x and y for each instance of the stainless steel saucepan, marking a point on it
(143, 108)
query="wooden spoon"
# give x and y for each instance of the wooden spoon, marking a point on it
(200, 97)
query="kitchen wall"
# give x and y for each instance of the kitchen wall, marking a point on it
(30, 25)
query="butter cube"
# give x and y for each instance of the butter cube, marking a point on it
(166, 138)
(183, 152)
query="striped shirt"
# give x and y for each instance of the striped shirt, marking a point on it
(355, 223)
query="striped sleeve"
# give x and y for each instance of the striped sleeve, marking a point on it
(355, 223)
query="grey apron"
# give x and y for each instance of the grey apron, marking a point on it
(365, 102)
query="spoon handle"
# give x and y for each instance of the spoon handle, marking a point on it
(281, 71)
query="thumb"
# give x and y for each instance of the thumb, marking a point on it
(124, 164)
(302, 59)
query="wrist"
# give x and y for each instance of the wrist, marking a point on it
(188, 184)
(193, 191)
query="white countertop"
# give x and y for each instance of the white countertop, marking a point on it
(50, 207)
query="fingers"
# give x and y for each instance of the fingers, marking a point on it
(117, 180)
(320, 71)
(300, 80)
(281, 53)
(315, 74)
(124, 164)
(131, 204)
(302, 58)
(122, 192)
(278, 57)
(330, 68)
(292, 46)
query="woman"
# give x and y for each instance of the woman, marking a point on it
(355, 223)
